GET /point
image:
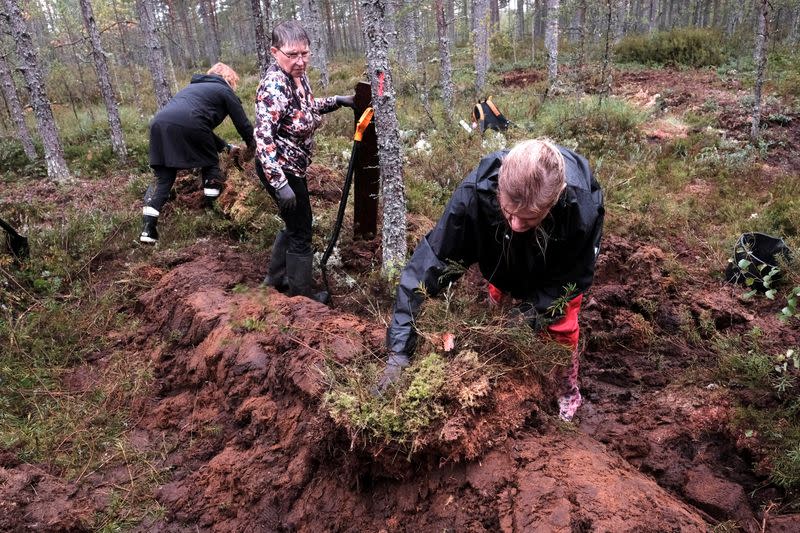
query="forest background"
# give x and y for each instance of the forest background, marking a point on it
(82, 79)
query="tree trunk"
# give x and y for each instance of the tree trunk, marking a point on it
(450, 17)
(623, 19)
(84, 94)
(319, 58)
(34, 77)
(104, 80)
(494, 15)
(407, 38)
(520, 20)
(654, 14)
(481, 44)
(328, 18)
(734, 18)
(262, 46)
(760, 59)
(386, 126)
(208, 17)
(191, 42)
(533, 31)
(551, 41)
(15, 109)
(155, 52)
(444, 58)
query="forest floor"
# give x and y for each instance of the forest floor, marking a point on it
(230, 435)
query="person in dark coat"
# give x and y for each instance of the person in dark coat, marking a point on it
(532, 219)
(182, 136)
(287, 115)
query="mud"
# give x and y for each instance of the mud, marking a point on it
(248, 402)
(243, 444)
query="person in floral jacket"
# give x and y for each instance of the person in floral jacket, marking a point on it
(287, 115)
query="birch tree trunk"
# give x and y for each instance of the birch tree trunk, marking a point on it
(387, 129)
(319, 58)
(551, 41)
(760, 59)
(262, 46)
(444, 58)
(34, 77)
(155, 52)
(481, 44)
(15, 109)
(104, 80)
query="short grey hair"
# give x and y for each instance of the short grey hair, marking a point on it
(289, 32)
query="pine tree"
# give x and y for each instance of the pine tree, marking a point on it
(386, 125)
(14, 19)
(104, 80)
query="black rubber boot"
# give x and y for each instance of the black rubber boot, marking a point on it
(298, 272)
(276, 272)
(149, 233)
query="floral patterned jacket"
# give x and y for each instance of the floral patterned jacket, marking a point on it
(285, 123)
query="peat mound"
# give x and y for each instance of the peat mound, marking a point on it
(238, 397)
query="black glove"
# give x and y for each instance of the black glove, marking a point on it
(286, 198)
(394, 368)
(526, 313)
(346, 101)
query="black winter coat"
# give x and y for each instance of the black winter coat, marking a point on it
(182, 133)
(474, 230)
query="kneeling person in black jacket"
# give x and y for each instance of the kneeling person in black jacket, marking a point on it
(182, 136)
(531, 218)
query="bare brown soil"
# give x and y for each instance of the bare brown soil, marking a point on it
(235, 418)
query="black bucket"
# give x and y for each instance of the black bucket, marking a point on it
(756, 257)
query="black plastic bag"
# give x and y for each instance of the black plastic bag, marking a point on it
(755, 261)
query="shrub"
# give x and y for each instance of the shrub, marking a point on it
(595, 126)
(14, 162)
(695, 47)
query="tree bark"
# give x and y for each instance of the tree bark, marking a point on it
(104, 80)
(533, 31)
(319, 59)
(209, 19)
(15, 109)
(262, 46)
(551, 41)
(760, 59)
(520, 20)
(444, 58)
(408, 30)
(654, 16)
(480, 10)
(326, 6)
(386, 126)
(494, 15)
(191, 42)
(34, 77)
(155, 53)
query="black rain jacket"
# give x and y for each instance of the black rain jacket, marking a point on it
(474, 230)
(182, 132)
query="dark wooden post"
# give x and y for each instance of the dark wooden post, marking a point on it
(366, 172)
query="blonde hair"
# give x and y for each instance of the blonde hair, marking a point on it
(226, 73)
(531, 177)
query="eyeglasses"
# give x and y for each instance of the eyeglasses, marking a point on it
(294, 56)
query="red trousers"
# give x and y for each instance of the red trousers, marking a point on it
(564, 331)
